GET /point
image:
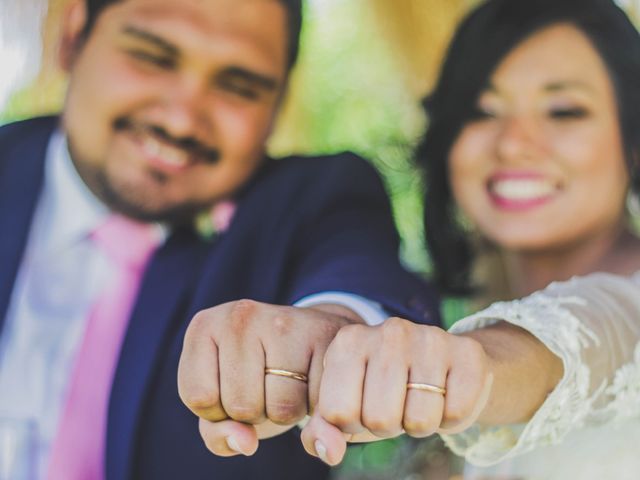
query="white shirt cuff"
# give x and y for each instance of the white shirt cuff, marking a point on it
(371, 312)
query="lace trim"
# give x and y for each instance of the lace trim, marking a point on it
(624, 392)
(548, 318)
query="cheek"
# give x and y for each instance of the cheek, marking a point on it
(468, 164)
(207, 184)
(600, 193)
(595, 165)
(242, 129)
(99, 93)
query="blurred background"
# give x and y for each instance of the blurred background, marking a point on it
(364, 66)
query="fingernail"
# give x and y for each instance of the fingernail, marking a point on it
(321, 450)
(232, 443)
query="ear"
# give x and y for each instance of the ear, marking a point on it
(73, 23)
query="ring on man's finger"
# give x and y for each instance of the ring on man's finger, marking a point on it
(426, 387)
(287, 374)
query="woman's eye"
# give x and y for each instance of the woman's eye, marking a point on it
(150, 58)
(568, 113)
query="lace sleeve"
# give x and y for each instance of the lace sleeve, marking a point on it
(593, 324)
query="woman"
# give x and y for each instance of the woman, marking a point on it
(535, 132)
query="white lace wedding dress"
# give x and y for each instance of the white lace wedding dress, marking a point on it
(589, 426)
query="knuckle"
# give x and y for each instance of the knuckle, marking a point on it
(282, 324)
(285, 413)
(433, 337)
(198, 324)
(381, 426)
(464, 393)
(396, 321)
(241, 314)
(395, 328)
(419, 427)
(197, 398)
(343, 419)
(435, 342)
(246, 412)
(347, 336)
(396, 335)
(457, 409)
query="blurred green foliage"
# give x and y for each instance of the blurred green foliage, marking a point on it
(348, 96)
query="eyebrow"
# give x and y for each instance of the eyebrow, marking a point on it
(553, 86)
(565, 85)
(263, 81)
(168, 47)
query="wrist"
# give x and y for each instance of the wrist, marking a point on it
(524, 372)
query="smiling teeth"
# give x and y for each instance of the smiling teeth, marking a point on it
(522, 189)
(169, 155)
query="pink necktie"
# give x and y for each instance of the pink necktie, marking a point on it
(78, 449)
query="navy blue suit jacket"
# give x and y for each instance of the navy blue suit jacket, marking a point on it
(303, 226)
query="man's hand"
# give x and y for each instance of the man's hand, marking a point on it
(366, 392)
(221, 377)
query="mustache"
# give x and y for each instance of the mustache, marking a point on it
(190, 145)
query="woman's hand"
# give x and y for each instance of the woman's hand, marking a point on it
(399, 377)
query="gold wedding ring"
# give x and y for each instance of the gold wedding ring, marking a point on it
(426, 387)
(287, 374)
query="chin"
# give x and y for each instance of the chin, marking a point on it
(144, 206)
(522, 242)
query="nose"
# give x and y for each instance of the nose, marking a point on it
(517, 139)
(184, 109)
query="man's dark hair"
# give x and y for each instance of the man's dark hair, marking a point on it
(483, 40)
(293, 7)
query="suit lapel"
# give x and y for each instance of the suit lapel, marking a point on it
(21, 178)
(159, 310)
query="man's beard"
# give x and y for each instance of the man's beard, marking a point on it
(139, 209)
(130, 200)
(114, 195)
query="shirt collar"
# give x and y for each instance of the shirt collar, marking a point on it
(70, 211)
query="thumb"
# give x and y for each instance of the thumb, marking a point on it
(323, 440)
(229, 438)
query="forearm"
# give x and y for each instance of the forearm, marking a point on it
(524, 372)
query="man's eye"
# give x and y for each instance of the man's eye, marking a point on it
(161, 61)
(241, 89)
(568, 113)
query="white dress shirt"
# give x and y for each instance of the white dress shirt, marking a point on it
(60, 277)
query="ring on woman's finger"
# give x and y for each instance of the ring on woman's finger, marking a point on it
(287, 374)
(426, 387)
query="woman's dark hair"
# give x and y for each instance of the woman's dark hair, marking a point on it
(293, 7)
(483, 40)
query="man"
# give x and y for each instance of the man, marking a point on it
(169, 105)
